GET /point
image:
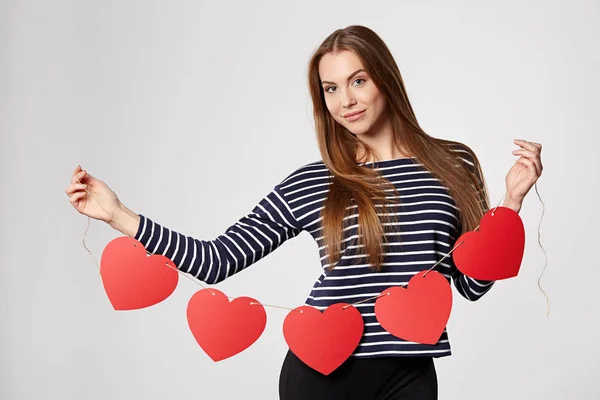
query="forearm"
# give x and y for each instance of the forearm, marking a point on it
(243, 243)
(474, 289)
(212, 261)
(513, 204)
(469, 288)
(125, 221)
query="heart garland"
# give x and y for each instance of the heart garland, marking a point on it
(133, 280)
(418, 313)
(495, 252)
(323, 340)
(222, 328)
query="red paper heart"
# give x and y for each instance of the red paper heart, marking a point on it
(224, 329)
(496, 251)
(323, 341)
(418, 313)
(131, 279)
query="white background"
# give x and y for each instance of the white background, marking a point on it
(192, 111)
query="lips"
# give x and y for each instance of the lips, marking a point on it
(353, 114)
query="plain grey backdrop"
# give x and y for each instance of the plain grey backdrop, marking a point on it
(193, 110)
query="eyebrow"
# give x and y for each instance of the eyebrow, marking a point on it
(350, 77)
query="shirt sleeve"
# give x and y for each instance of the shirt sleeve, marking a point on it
(470, 288)
(255, 235)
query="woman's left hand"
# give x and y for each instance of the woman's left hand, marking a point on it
(526, 171)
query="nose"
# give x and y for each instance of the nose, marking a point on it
(348, 99)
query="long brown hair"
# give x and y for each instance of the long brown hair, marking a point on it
(360, 185)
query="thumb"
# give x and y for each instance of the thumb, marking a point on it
(89, 179)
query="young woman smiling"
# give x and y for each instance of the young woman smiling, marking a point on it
(385, 202)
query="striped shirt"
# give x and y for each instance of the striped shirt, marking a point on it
(426, 230)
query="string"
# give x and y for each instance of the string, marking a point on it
(545, 255)
(445, 255)
(196, 281)
(539, 243)
(365, 300)
(88, 250)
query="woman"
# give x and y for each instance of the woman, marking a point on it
(372, 233)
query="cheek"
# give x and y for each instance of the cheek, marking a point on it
(377, 101)
(333, 107)
(371, 96)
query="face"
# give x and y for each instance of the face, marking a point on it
(350, 94)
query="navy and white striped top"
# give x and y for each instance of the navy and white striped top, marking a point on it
(426, 231)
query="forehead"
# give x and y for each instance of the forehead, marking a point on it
(339, 66)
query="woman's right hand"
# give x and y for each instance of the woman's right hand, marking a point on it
(81, 197)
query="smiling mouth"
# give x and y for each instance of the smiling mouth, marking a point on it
(354, 116)
(350, 115)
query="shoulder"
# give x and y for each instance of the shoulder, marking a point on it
(463, 153)
(305, 173)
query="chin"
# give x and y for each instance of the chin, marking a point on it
(359, 129)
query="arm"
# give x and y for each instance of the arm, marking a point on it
(470, 288)
(257, 234)
(473, 289)
(530, 163)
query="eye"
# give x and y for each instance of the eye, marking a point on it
(360, 79)
(327, 89)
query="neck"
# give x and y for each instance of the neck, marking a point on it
(381, 141)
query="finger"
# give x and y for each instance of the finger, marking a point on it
(74, 188)
(81, 177)
(77, 169)
(74, 199)
(77, 176)
(533, 156)
(531, 146)
(87, 178)
(525, 153)
(524, 144)
(530, 165)
(538, 159)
